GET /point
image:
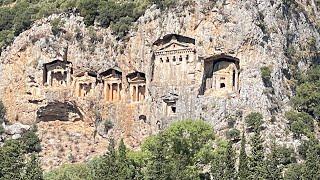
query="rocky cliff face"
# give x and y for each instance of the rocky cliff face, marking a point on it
(134, 87)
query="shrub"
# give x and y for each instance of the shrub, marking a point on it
(56, 26)
(31, 141)
(108, 124)
(300, 123)
(70, 171)
(266, 76)
(254, 120)
(1, 129)
(233, 134)
(307, 97)
(89, 10)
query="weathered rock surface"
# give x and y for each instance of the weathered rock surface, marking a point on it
(16, 129)
(257, 33)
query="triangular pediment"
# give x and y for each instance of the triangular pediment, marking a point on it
(137, 78)
(173, 46)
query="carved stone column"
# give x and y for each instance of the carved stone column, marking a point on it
(137, 93)
(68, 77)
(49, 82)
(118, 86)
(236, 80)
(110, 93)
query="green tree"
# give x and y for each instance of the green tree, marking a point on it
(106, 166)
(124, 166)
(230, 160)
(89, 10)
(33, 169)
(307, 96)
(294, 171)
(158, 166)
(300, 123)
(243, 160)
(256, 164)
(272, 164)
(185, 144)
(11, 160)
(31, 141)
(218, 166)
(312, 164)
(6, 18)
(70, 172)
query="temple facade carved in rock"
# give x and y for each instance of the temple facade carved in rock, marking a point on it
(176, 70)
(57, 73)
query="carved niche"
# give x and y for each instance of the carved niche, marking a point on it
(112, 84)
(57, 73)
(137, 86)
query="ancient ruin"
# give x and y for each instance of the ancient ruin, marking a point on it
(85, 84)
(112, 84)
(173, 56)
(137, 86)
(57, 73)
(221, 75)
(169, 104)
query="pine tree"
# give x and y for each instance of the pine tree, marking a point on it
(312, 164)
(33, 170)
(230, 170)
(106, 167)
(218, 166)
(124, 171)
(272, 165)
(158, 169)
(31, 141)
(257, 164)
(243, 160)
(257, 167)
(11, 160)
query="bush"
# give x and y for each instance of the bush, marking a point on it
(300, 123)
(1, 129)
(89, 10)
(56, 26)
(70, 171)
(31, 141)
(266, 76)
(108, 125)
(164, 4)
(254, 120)
(233, 134)
(307, 97)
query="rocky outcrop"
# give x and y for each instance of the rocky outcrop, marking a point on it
(63, 111)
(243, 35)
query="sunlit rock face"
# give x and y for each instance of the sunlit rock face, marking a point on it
(200, 61)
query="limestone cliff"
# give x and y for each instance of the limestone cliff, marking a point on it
(200, 60)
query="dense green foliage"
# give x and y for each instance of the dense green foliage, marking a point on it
(266, 76)
(307, 98)
(18, 15)
(69, 172)
(18, 158)
(300, 123)
(254, 121)
(15, 163)
(243, 160)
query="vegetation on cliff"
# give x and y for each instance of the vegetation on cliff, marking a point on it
(19, 159)
(190, 150)
(17, 16)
